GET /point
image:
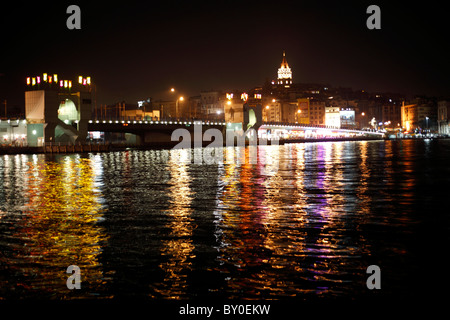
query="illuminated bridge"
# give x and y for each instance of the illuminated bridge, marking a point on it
(160, 131)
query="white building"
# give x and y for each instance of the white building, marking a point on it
(13, 132)
(332, 117)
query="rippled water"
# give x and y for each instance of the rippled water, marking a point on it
(305, 221)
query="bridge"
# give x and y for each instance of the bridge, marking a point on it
(65, 116)
(160, 130)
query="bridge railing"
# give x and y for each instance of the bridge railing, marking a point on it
(305, 125)
(163, 119)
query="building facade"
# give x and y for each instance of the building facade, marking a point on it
(443, 117)
(271, 111)
(420, 115)
(317, 112)
(57, 110)
(332, 117)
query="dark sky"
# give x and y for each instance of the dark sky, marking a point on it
(133, 50)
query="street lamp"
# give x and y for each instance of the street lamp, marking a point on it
(426, 118)
(177, 106)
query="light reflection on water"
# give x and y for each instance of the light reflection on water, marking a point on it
(305, 221)
(52, 223)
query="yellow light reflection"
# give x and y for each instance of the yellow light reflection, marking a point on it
(178, 248)
(60, 227)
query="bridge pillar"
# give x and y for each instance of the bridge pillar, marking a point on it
(252, 117)
(57, 113)
(243, 115)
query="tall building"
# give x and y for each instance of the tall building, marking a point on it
(317, 112)
(443, 117)
(284, 73)
(420, 114)
(303, 112)
(409, 116)
(57, 110)
(271, 111)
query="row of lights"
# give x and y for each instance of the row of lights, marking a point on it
(318, 128)
(161, 122)
(54, 78)
(14, 136)
(18, 120)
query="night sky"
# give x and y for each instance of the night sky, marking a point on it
(138, 50)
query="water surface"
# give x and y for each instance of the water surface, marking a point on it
(304, 222)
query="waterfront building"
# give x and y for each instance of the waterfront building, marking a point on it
(317, 112)
(56, 109)
(420, 114)
(138, 111)
(271, 111)
(332, 116)
(166, 108)
(210, 102)
(409, 116)
(13, 132)
(289, 111)
(195, 107)
(443, 117)
(302, 115)
(391, 115)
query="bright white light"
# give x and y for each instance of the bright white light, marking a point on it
(34, 132)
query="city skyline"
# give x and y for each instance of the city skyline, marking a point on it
(211, 158)
(224, 46)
